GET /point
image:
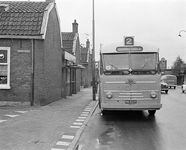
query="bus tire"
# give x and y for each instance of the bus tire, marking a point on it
(152, 112)
(104, 112)
(166, 91)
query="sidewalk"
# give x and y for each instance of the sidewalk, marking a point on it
(56, 126)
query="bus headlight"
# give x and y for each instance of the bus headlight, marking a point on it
(153, 94)
(109, 95)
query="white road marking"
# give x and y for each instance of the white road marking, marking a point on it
(82, 117)
(74, 126)
(2, 121)
(22, 112)
(87, 109)
(77, 123)
(84, 114)
(63, 143)
(12, 116)
(70, 137)
(57, 149)
(80, 120)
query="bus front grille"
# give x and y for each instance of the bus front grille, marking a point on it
(130, 95)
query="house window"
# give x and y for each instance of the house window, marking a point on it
(4, 67)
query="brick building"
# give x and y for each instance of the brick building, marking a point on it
(72, 48)
(86, 61)
(31, 56)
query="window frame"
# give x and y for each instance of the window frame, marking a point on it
(6, 86)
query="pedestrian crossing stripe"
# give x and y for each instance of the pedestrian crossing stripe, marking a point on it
(85, 112)
(12, 116)
(77, 123)
(63, 143)
(66, 139)
(74, 126)
(69, 137)
(2, 121)
(57, 149)
(82, 117)
(80, 120)
(22, 112)
(88, 108)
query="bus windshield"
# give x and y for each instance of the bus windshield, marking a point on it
(116, 62)
(134, 63)
(143, 61)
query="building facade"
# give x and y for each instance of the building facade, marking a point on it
(71, 46)
(86, 61)
(31, 49)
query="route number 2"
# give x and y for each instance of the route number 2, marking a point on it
(129, 41)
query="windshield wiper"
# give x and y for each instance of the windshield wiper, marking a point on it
(114, 66)
(147, 61)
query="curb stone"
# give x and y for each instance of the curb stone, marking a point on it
(73, 145)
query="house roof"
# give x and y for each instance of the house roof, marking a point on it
(69, 41)
(23, 18)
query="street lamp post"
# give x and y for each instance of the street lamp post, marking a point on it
(93, 54)
(180, 32)
(182, 67)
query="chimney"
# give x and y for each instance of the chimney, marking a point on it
(50, 1)
(75, 27)
(88, 44)
(4, 7)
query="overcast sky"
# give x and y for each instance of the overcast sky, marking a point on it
(159, 21)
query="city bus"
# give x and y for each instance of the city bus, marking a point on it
(171, 80)
(129, 76)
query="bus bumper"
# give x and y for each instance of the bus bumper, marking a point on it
(130, 107)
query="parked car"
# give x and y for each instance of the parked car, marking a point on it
(183, 87)
(164, 86)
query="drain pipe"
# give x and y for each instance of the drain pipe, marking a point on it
(32, 74)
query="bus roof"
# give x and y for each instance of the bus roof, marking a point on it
(146, 45)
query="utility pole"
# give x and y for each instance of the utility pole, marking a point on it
(93, 54)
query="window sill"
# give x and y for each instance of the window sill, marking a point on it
(4, 87)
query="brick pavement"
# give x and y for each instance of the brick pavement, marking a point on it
(56, 126)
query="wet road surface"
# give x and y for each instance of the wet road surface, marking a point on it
(136, 130)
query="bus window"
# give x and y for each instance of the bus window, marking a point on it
(116, 62)
(143, 61)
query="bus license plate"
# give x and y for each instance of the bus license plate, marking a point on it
(131, 102)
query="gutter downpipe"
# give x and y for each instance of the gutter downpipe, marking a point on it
(32, 74)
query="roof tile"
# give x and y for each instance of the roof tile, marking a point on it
(67, 40)
(22, 18)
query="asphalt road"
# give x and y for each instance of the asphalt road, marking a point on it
(130, 130)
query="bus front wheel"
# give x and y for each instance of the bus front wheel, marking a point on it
(152, 112)
(104, 112)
